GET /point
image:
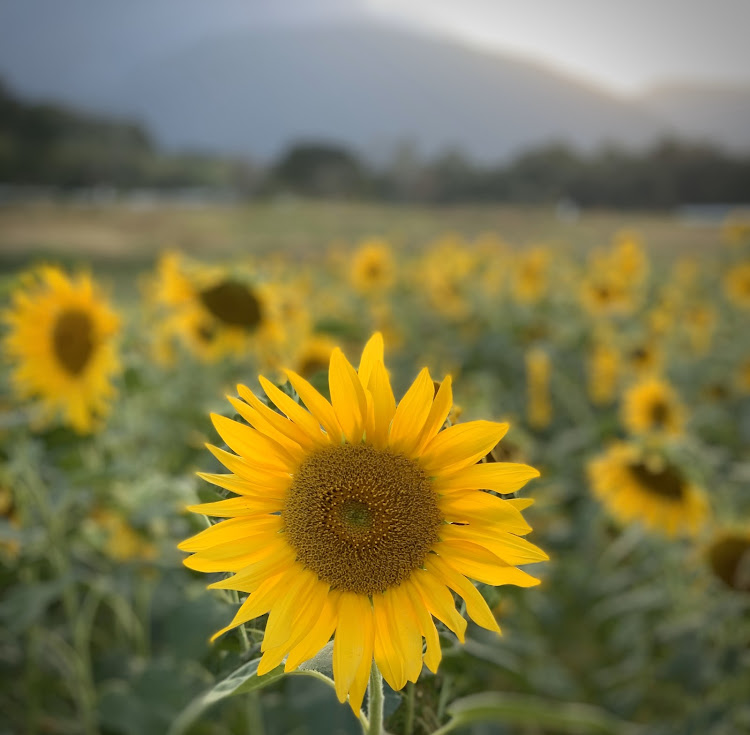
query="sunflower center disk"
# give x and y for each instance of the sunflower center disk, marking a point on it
(659, 413)
(361, 518)
(73, 340)
(667, 482)
(233, 303)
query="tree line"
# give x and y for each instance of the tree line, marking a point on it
(50, 145)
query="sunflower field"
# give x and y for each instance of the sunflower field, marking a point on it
(440, 473)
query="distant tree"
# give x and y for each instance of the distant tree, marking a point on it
(318, 169)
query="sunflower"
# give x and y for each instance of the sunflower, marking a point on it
(213, 312)
(737, 285)
(605, 293)
(446, 270)
(357, 517)
(61, 341)
(314, 355)
(628, 257)
(372, 267)
(636, 487)
(530, 279)
(10, 546)
(653, 406)
(539, 407)
(700, 321)
(742, 377)
(729, 557)
(603, 374)
(644, 358)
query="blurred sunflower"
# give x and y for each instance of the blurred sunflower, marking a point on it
(373, 269)
(61, 340)
(700, 321)
(9, 547)
(736, 230)
(529, 282)
(628, 257)
(603, 374)
(605, 294)
(729, 558)
(538, 406)
(652, 405)
(636, 487)
(357, 518)
(314, 355)
(743, 376)
(213, 312)
(121, 541)
(737, 285)
(644, 358)
(445, 271)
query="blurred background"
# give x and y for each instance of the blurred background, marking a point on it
(550, 201)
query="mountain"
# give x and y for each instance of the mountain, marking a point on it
(714, 113)
(254, 90)
(367, 87)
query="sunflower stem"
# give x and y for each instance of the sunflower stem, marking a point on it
(375, 707)
(409, 724)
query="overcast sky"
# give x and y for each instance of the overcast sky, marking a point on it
(623, 45)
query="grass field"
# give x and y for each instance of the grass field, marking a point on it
(614, 344)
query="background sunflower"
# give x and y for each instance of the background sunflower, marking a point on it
(61, 342)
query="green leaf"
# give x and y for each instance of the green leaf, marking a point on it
(24, 605)
(520, 709)
(246, 679)
(242, 680)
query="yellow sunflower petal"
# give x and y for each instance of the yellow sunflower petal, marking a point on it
(231, 558)
(481, 564)
(476, 606)
(234, 529)
(257, 604)
(349, 643)
(441, 407)
(294, 412)
(276, 421)
(276, 427)
(347, 397)
(521, 503)
(433, 652)
(362, 677)
(242, 506)
(386, 652)
(273, 487)
(412, 413)
(502, 477)
(484, 508)
(253, 475)
(282, 614)
(251, 444)
(251, 575)
(317, 405)
(461, 445)
(384, 405)
(371, 354)
(439, 602)
(319, 634)
(506, 546)
(410, 635)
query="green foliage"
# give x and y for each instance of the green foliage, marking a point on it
(628, 632)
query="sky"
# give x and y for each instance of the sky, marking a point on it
(624, 46)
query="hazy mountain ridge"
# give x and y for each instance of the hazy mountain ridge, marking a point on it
(717, 113)
(254, 91)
